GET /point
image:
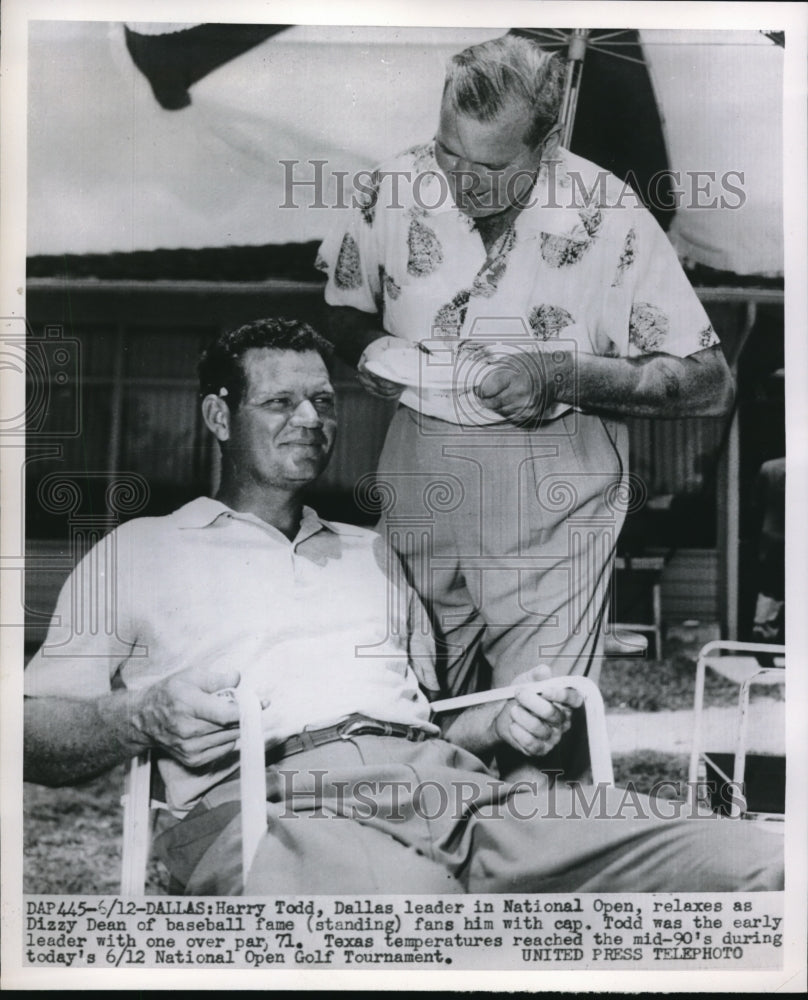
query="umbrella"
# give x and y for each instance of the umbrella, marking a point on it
(694, 121)
(289, 116)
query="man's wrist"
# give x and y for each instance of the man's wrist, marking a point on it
(121, 713)
(559, 373)
(476, 729)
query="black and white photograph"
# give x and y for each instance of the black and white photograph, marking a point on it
(403, 607)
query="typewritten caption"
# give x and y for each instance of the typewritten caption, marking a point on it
(676, 931)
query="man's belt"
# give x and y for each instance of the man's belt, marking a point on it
(354, 725)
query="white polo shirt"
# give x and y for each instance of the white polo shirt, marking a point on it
(316, 625)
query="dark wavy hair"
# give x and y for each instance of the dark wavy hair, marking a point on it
(221, 365)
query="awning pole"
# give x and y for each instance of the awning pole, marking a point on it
(572, 82)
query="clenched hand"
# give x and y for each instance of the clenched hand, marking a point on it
(532, 724)
(518, 386)
(185, 716)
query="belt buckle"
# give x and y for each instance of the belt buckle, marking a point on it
(356, 727)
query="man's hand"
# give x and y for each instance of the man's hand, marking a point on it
(516, 386)
(186, 717)
(69, 740)
(531, 724)
(528, 722)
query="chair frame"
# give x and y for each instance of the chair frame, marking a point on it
(709, 658)
(649, 565)
(139, 809)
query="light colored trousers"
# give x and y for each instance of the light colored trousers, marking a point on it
(383, 815)
(508, 535)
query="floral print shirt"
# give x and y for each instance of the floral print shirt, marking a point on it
(593, 273)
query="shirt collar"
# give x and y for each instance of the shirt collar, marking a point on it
(205, 511)
(200, 513)
(310, 524)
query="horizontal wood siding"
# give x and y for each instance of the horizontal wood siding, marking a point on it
(690, 586)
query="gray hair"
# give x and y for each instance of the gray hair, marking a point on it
(484, 77)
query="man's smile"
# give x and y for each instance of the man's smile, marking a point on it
(307, 443)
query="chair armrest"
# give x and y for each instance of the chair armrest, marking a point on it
(733, 646)
(253, 775)
(136, 800)
(599, 752)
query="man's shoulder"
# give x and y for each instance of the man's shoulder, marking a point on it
(397, 181)
(578, 199)
(195, 513)
(421, 156)
(582, 175)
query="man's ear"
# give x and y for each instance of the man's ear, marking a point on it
(216, 414)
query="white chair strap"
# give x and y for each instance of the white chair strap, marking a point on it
(599, 752)
(136, 825)
(253, 776)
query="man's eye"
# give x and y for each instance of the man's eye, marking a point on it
(324, 403)
(278, 403)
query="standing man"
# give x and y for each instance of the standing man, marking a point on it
(547, 305)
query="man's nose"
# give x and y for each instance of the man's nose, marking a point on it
(306, 414)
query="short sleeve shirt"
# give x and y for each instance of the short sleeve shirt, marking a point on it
(583, 256)
(321, 626)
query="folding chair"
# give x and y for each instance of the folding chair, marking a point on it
(139, 807)
(651, 567)
(743, 667)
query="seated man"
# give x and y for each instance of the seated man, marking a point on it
(363, 794)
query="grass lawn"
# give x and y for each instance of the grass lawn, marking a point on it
(72, 835)
(651, 686)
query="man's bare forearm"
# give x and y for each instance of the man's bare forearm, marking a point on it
(68, 741)
(657, 385)
(350, 331)
(526, 721)
(474, 728)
